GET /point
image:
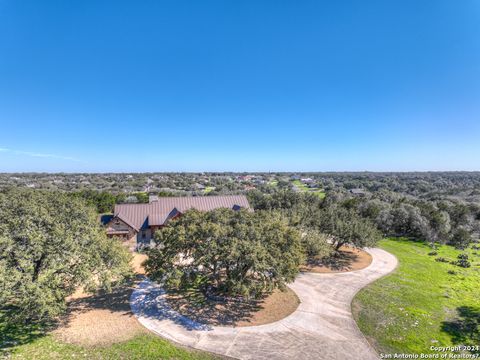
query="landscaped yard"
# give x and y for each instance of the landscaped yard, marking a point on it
(347, 259)
(304, 188)
(146, 346)
(95, 327)
(273, 307)
(208, 189)
(273, 183)
(421, 304)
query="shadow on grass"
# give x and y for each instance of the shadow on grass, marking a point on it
(15, 332)
(465, 329)
(116, 301)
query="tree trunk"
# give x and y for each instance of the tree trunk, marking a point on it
(37, 268)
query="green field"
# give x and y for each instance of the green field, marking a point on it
(30, 341)
(421, 304)
(146, 346)
(273, 183)
(208, 189)
(304, 188)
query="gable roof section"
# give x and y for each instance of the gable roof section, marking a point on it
(158, 212)
(126, 220)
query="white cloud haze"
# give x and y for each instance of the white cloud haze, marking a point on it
(40, 155)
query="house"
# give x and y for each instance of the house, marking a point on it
(357, 192)
(152, 198)
(307, 180)
(136, 224)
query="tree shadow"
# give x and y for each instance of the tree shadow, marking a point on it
(465, 329)
(345, 259)
(14, 332)
(195, 305)
(115, 301)
(148, 301)
(342, 260)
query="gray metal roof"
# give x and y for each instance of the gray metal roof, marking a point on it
(158, 212)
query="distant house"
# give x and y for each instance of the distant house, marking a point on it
(307, 180)
(357, 192)
(136, 224)
(199, 186)
(152, 198)
(131, 199)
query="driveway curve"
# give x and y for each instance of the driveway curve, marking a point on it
(322, 327)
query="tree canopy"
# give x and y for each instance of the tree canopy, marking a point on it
(237, 253)
(344, 227)
(50, 244)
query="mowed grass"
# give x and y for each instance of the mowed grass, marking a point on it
(273, 183)
(147, 346)
(37, 342)
(304, 188)
(421, 304)
(208, 189)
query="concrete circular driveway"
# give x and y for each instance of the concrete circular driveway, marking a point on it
(322, 327)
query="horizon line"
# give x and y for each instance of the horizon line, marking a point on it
(245, 172)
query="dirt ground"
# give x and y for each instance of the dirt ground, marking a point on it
(276, 306)
(348, 259)
(101, 319)
(137, 261)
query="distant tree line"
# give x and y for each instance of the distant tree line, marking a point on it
(450, 221)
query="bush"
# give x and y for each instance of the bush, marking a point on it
(441, 259)
(452, 272)
(433, 253)
(461, 238)
(463, 263)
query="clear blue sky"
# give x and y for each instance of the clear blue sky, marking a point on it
(239, 85)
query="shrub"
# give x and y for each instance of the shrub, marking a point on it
(452, 272)
(433, 253)
(461, 238)
(463, 263)
(441, 259)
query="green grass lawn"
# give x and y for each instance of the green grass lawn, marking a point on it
(304, 188)
(34, 342)
(146, 346)
(208, 189)
(420, 304)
